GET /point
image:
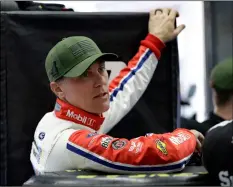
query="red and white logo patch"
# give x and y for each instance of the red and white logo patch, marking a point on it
(119, 144)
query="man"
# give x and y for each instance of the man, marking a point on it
(73, 135)
(218, 153)
(221, 82)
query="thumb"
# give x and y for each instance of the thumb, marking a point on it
(201, 138)
(179, 29)
(198, 146)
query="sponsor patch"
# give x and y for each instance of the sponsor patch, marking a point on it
(161, 146)
(136, 147)
(91, 134)
(72, 114)
(92, 141)
(84, 119)
(179, 138)
(90, 122)
(57, 107)
(105, 141)
(149, 134)
(119, 144)
(41, 135)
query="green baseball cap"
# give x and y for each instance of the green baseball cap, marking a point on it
(72, 56)
(222, 75)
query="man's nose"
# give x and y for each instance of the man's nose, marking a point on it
(99, 80)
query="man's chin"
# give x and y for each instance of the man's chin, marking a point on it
(105, 108)
(100, 108)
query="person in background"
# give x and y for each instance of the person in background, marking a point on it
(217, 153)
(221, 82)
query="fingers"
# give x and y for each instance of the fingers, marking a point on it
(166, 11)
(161, 24)
(158, 11)
(152, 13)
(155, 11)
(173, 14)
(179, 29)
(201, 138)
(198, 146)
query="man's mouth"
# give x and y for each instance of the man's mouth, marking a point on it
(101, 95)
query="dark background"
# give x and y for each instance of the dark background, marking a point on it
(218, 38)
(26, 38)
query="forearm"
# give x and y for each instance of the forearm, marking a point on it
(153, 153)
(127, 88)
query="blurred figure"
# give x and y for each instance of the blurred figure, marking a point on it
(221, 82)
(187, 110)
(188, 115)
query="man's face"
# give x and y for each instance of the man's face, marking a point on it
(88, 92)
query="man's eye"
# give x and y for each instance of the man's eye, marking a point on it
(102, 67)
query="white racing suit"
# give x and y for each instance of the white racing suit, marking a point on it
(69, 138)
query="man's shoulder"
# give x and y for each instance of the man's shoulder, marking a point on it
(217, 148)
(51, 125)
(213, 119)
(50, 119)
(225, 123)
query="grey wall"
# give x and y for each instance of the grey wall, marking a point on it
(218, 36)
(222, 29)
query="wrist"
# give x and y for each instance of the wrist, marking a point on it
(159, 37)
(155, 40)
(154, 44)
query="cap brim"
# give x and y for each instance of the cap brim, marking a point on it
(80, 68)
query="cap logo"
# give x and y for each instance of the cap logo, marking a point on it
(82, 47)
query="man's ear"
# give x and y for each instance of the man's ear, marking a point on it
(56, 89)
(211, 84)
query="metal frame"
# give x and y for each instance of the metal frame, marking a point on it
(209, 51)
